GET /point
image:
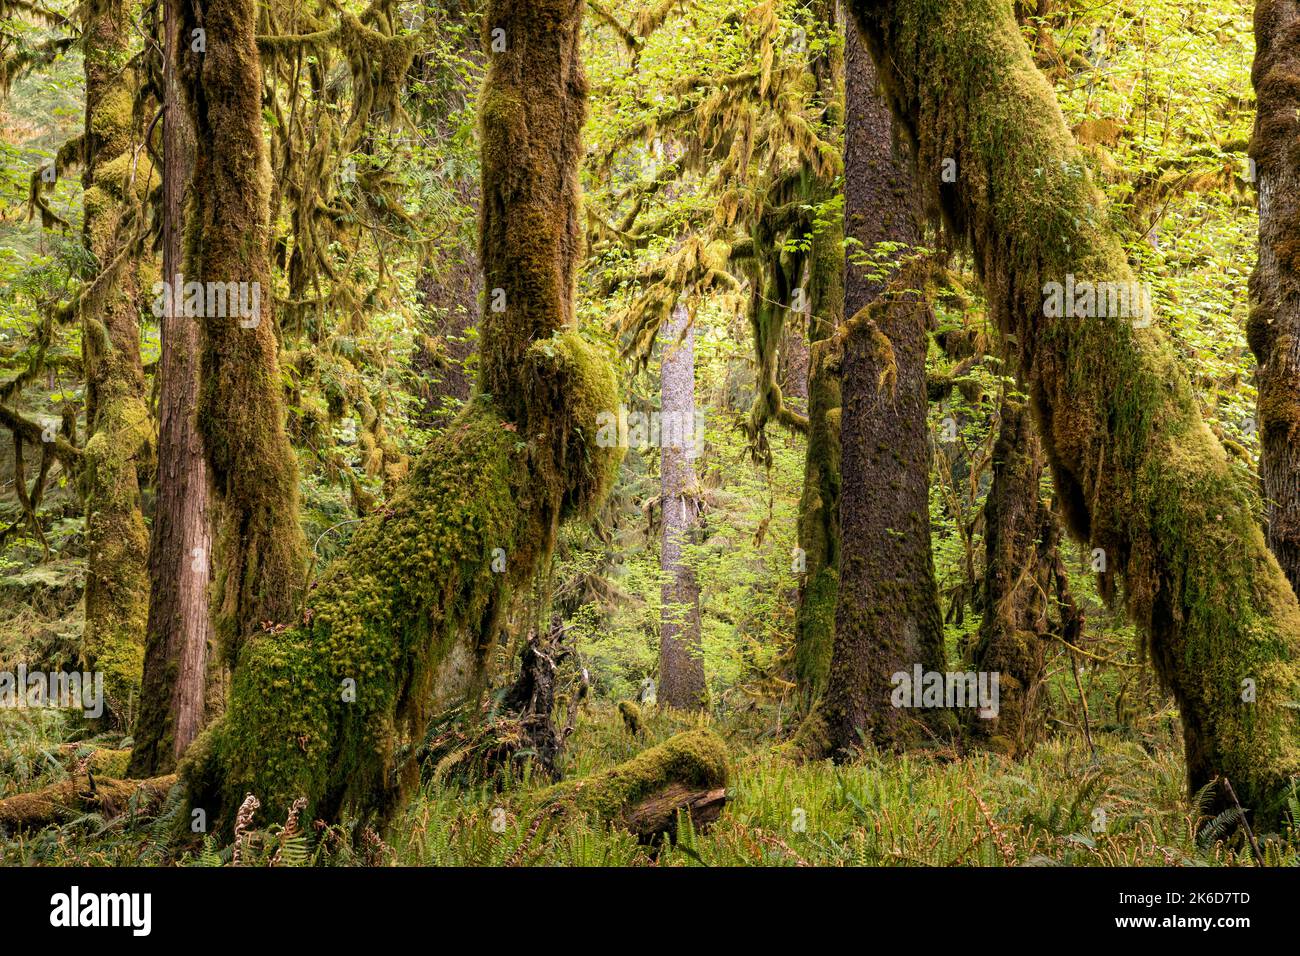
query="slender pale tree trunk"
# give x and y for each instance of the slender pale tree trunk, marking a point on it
(681, 664)
(1274, 327)
(1137, 471)
(174, 693)
(119, 427)
(888, 617)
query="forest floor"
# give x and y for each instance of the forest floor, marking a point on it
(1064, 805)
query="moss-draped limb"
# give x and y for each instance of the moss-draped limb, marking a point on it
(404, 621)
(119, 426)
(1136, 469)
(1274, 327)
(241, 407)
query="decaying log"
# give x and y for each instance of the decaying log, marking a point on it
(78, 795)
(687, 772)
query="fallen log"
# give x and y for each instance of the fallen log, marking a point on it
(687, 772)
(78, 795)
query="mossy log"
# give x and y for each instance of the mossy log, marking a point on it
(687, 772)
(1137, 472)
(79, 795)
(404, 623)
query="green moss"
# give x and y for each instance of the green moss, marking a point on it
(631, 714)
(696, 759)
(1136, 469)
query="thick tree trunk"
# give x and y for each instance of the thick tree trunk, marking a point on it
(887, 619)
(173, 696)
(681, 665)
(1019, 546)
(117, 583)
(1274, 327)
(1136, 469)
(405, 622)
(241, 411)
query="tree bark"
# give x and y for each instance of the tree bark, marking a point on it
(887, 618)
(681, 665)
(819, 503)
(118, 424)
(1274, 326)
(1137, 471)
(241, 412)
(173, 697)
(405, 622)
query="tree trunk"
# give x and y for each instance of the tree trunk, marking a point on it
(405, 622)
(173, 697)
(241, 408)
(819, 518)
(1019, 546)
(1274, 327)
(451, 285)
(1138, 473)
(681, 665)
(887, 619)
(117, 583)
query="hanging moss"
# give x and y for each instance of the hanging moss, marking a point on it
(1136, 469)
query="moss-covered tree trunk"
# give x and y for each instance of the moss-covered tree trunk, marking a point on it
(405, 621)
(887, 618)
(241, 410)
(1019, 548)
(1274, 327)
(116, 181)
(819, 528)
(173, 699)
(1137, 471)
(681, 661)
